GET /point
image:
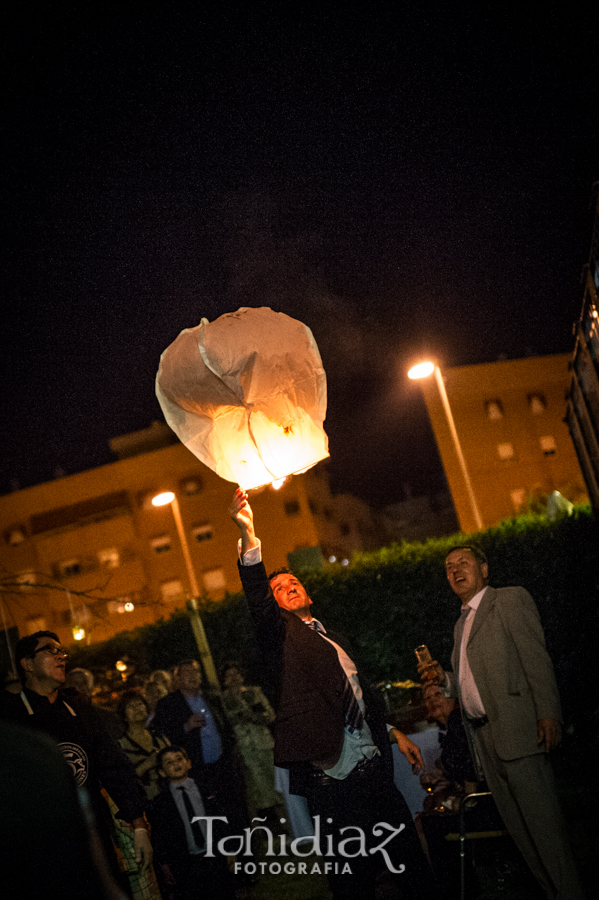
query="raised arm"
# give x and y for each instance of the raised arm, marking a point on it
(265, 613)
(241, 513)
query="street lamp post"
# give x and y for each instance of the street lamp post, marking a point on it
(164, 499)
(423, 370)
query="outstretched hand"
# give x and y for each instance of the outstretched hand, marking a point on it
(241, 511)
(410, 750)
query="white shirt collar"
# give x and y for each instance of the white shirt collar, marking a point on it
(315, 624)
(182, 784)
(475, 602)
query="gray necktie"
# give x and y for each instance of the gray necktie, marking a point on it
(196, 828)
(459, 633)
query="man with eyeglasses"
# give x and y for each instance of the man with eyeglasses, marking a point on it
(95, 760)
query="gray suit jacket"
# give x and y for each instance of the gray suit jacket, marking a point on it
(512, 670)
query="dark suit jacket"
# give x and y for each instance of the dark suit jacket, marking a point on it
(173, 711)
(307, 680)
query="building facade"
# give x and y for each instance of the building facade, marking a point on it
(582, 413)
(509, 417)
(88, 555)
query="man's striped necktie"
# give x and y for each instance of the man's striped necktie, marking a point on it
(353, 714)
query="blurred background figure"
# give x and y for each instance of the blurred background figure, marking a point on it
(250, 714)
(153, 692)
(48, 841)
(455, 760)
(140, 742)
(82, 681)
(193, 717)
(162, 677)
(447, 781)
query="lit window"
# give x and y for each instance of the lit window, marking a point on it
(170, 590)
(292, 507)
(69, 567)
(518, 498)
(15, 536)
(191, 486)
(161, 544)
(214, 579)
(505, 451)
(494, 410)
(536, 404)
(26, 579)
(109, 558)
(548, 445)
(202, 533)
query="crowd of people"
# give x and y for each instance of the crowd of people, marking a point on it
(176, 768)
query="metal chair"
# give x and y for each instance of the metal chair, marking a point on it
(464, 835)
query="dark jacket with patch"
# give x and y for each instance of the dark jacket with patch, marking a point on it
(94, 758)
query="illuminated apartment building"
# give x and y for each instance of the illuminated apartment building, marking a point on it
(90, 551)
(509, 420)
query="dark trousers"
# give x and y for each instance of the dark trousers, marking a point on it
(362, 800)
(200, 877)
(224, 779)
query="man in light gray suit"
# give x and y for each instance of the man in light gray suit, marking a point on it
(504, 679)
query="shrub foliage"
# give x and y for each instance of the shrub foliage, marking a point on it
(390, 601)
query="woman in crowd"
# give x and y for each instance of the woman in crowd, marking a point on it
(140, 743)
(250, 714)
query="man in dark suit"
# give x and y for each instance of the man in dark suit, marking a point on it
(179, 842)
(195, 720)
(504, 678)
(333, 741)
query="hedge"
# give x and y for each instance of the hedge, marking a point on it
(390, 601)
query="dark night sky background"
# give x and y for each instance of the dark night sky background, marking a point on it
(403, 178)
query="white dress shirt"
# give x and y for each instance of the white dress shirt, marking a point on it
(471, 701)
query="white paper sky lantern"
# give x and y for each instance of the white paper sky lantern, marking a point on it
(247, 395)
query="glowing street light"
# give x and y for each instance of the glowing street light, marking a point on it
(164, 499)
(424, 370)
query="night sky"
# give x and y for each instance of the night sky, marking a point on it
(406, 179)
